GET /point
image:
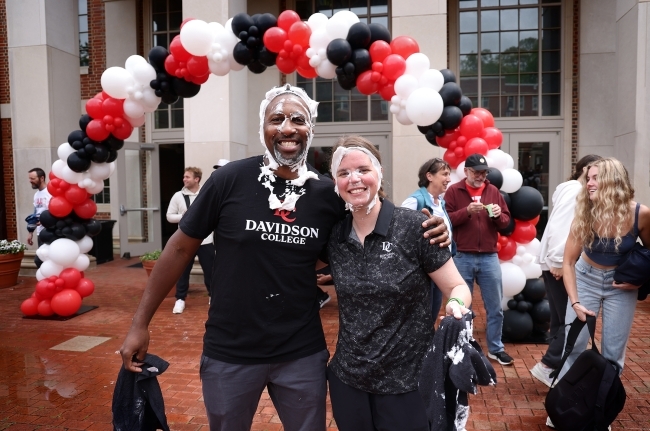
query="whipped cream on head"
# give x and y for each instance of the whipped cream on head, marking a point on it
(337, 157)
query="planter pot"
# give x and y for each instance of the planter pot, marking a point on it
(9, 269)
(148, 265)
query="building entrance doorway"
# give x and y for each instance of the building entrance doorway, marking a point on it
(172, 167)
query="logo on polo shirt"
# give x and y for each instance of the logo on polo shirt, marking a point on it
(386, 246)
(284, 214)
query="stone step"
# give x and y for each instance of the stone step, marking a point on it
(28, 267)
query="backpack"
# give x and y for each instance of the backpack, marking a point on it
(590, 395)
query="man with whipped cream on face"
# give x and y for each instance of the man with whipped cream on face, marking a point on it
(271, 216)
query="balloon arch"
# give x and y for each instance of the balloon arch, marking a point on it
(356, 54)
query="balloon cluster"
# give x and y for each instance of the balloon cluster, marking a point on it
(290, 40)
(527, 313)
(166, 86)
(72, 227)
(60, 294)
(250, 50)
(83, 150)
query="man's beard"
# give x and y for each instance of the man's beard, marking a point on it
(282, 161)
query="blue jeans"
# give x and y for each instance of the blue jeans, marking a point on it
(485, 269)
(595, 290)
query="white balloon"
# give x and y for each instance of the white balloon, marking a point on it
(405, 85)
(49, 268)
(531, 270)
(215, 27)
(133, 61)
(144, 73)
(57, 168)
(219, 68)
(460, 171)
(326, 70)
(234, 66)
(317, 21)
(197, 37)
(82, 263)
(99, 171)
(133, 109)
(64, 151)
(111, 166)
(533, 247)
(43, 252)
(499, 159)
(64, 252)
(521, 250)
(339, 25)
(319, 39)
(70, 176)
(528, 258)
(504, 302)
(85, 244)
(517, 260)
(512, 180)
(431, 78)
(454, 178)
(513, 279)
(150, 100)
(395, 109)
(403, 117)
(424, 106)
(417, 64)
(116, 81)
(510, 162)
(95, 188)
(135, 122)
(39, 275)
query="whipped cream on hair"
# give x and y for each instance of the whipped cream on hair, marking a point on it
(337, 157)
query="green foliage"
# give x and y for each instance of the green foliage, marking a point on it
(151, 255)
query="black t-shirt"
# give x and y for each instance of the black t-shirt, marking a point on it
(264, 307)
(383, 293)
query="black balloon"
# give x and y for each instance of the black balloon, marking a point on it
(431, 137)
(339, 51)
(90, 149)
(541, 311)
(508, 230)
(256, 67)
(523, 306)
(241, 22)
(465, 105)
(541, 327)
(264, 22)
(527, 203)
(378, 32)
(112, 156)
(519, 297)
(78, 145)
(113, 143)
(267, 58)
(451, 94)
(47, 219)
(495, 177)
(448, 75)
(424, 129)
(185, 89)
(512, 304)
(242, 54)
(168, 98)
(441, 133)
(361, 60)
(437, 127)
(93, 227)
(451, 117)
(359, 35)
(78, 164)
(101, 154)
(77, 231)
(517, 326)
(47, 236)
(76, 135)
(157, 57)
(534, 290)
(506, 197)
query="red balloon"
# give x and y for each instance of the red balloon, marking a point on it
(307, 72)
(200, 79)
(476, 145)
(460, 153)
(70, 278)
(508, 250)
(101, 95)
(404, 46)
(285, 65)
(450, 135)
(45, 308)
(198, 66)
(171, 65)
(534, 221)
(461, 141)
(299, 33)
(450, 157)
(59, 206)
(471, 126)
(379, 50)
(85, 287)
(44, 289)
(387, 91)
(124, 131)
(51, 175)
(365, 84)
(86, 209)
(96, 130)
(394, 66)
(94, 108)
(29, 307)
(493, 137)
(66, 302)
(113, 107)
(274, 39)
(524, 232)
(484, 115)
(177, 50)
(53, 188)
(286, 19)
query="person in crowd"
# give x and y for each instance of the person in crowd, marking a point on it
(178, 205)
(41, 201)
(605, 227)
(220, 163)
(550, 259)
(271, 216)
(433, 178)
(381, 267)
(477, 211)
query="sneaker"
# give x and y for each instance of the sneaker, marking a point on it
(324, 299)
(549, 423)
(179, 306)
(541, 373)
(501, 357)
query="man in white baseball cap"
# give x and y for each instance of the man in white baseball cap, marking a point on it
(220, 163)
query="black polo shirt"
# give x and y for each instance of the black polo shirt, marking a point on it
(383, 293)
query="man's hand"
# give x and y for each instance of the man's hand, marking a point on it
(556, 272)
(30, 238)
(323, 279)
(476, 207)
(496, 210)
(625, 286)
(439, 233)
(134, 348)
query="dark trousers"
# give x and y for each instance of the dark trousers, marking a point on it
(37, 260)
(206, 256)
(557, 301)
(357, 410)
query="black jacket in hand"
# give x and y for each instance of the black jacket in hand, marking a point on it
(137, 399)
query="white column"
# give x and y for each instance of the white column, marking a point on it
(43, 45)
(426, 22)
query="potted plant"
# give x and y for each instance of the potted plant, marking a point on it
(11, 256)
(149, 260)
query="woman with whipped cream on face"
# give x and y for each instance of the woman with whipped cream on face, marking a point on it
(381, 267)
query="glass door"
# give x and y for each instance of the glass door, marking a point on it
(139, 199)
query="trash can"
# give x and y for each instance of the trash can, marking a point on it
(103, 242)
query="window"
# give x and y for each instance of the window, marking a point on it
(166, 18)
(511, 49)
(336, 104)
(84, 57)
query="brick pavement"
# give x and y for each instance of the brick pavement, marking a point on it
(62, 390)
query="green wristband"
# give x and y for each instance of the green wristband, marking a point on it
(460, 302)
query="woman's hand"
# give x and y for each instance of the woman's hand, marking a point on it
(582, 312)
(453, 308)
(625, 286)
(322, 279)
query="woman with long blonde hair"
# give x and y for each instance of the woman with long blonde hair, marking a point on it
(606, 225)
